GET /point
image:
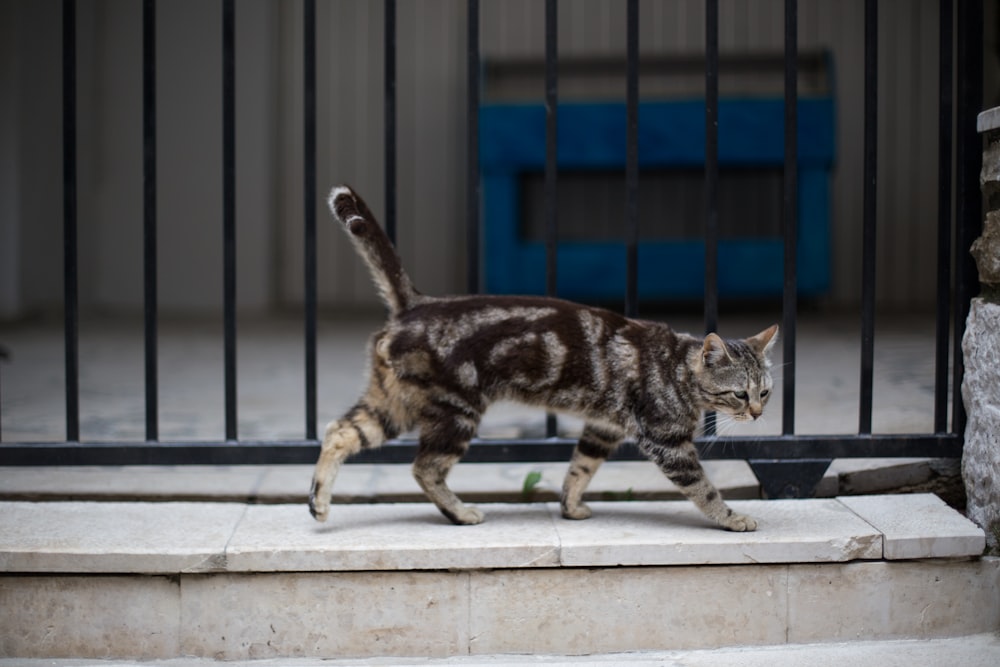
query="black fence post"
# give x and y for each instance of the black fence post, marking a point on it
(790, 219)
(150, 308)
(309, 207)
(869, 223)
(968, 197)
(229, 211)
(632, 160)
(945, 130)
(783, 478)
(389, 85)
(4, 356)
(473, 189)
(551, 165)
(70, 297)
(711, 179)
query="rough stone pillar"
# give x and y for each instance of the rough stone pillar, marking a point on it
(981, 349)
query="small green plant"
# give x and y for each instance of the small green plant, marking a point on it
(531, 481)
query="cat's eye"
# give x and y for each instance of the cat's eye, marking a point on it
(742, 395)
(764, 393)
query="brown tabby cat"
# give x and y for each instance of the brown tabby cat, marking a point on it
(439, 362)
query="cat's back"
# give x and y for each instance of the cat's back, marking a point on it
(451, 322)
(519, 343)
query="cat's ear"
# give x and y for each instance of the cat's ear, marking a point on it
(714, 351)
(764, 341)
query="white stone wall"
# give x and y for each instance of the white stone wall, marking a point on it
(981, 349)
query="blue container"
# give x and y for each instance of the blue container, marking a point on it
(591, 136)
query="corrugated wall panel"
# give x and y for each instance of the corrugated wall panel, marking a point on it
(431, 121)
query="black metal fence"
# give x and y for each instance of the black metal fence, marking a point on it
(789, 464)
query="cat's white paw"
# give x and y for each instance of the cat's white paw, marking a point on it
(580, 512)
(740, 523)
(466, 515)
(318, 507)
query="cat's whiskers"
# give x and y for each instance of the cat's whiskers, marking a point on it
(726, 424)
(723, 425)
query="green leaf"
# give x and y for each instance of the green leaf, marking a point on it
(531, 480)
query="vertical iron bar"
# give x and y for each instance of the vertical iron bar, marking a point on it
(869, 236)
(149, 215)
(389, 82)
(473, 192)
(229, 210)
(968, 197)
(70, 297)
(632, 160)
(309, 207)
(711, 166)
(711, 178)
(551, 163)
(4, 355)
(790, 217)
(551, 146)
(944, 216)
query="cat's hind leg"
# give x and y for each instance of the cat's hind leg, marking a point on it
(595, 445)
(444, 439)
(363, 427)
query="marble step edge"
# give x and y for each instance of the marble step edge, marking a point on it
(170, 538)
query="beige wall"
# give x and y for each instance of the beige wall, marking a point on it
(431, 135)
(109, 53)
(431, 126)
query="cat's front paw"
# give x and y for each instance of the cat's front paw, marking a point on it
(463, 515)
(319, 507)
(740, 523)
(577, 513)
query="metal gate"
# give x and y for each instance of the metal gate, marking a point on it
(788, 465)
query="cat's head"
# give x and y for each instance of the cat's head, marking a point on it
(734, 377)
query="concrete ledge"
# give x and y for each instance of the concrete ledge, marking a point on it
(171, 538)
(564, 611)
(230, 581)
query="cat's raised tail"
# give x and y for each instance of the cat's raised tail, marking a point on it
(375, 248)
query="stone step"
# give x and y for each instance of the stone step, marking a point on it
(235, 582)
(981, 650)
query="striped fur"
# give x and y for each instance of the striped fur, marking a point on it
(438, 363)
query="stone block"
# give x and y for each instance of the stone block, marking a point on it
(918, 526)
(391, 537)
(120, 538)
(640, 533)
(867, 476)
(988, 120)
(219, 483)
(981, 394)
(986, 250)
(580, 611)
(345, 614)
(892, 600)
(89, 617)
